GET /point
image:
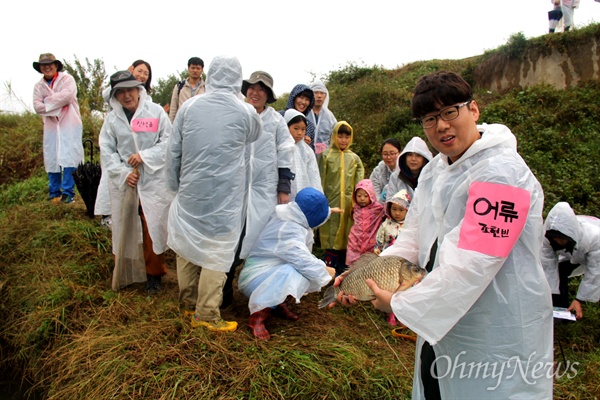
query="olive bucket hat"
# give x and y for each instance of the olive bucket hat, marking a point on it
(47, 58)
(265, 79)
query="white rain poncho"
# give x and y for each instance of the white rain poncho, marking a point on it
(208, 168)
(326, 120)
(281, 262)
(273, 150)
(380, 176)
(486, 303)
(146, 134)
(306, 169)
(63, 129)
(396, 184)
(102, 205)
(585, 231)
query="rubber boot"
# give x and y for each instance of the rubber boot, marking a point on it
(282, 311)
(256, 323)
(391, 319)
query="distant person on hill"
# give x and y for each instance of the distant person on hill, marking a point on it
(302, 98)
(409, 165)
(271, 166)
(571, 247)
(208, 168)
(306, 169)
(568, 10)
(132, 151)
(192, 86)
(321, 117)
(475, 223)
(367, 216)
(554, 16)
(281, 263)
(381, 174)
(340, 169)
(55, 99)
(142, 72)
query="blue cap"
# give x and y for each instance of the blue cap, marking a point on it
(314, 205)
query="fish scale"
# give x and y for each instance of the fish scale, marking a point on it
(389, 272)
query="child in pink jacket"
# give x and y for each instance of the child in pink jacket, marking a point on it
(368, 214)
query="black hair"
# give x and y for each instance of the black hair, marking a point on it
(437, 90)
(345, 129)
(149, 81)
(297, 119)
(393, 141)
(195, 61)
(552, 233)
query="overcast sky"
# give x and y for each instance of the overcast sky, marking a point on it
(291, 40)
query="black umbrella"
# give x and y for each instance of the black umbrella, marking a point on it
(87, 178)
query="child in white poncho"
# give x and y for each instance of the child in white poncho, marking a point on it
(281, 263)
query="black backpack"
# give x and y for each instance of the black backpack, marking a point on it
(179, 86)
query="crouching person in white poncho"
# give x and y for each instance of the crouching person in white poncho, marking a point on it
(281, 264)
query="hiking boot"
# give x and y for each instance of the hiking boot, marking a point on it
(54, 200)
(153, 284)
(66, 199)
(282, 311)
(216, 326)
(256, 323)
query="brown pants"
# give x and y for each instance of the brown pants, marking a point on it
(155, 263)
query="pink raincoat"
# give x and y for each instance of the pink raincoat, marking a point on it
(366, 223)
(62, 122)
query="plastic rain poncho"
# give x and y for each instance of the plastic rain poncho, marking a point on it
(208, 168)
(273, 150)
(281, 262)
(340, 171)
(63, 128)
(486, 301)
(367, 220)
(396, 184)
(310, 127)
(326, 120)
(305, 168)
(380, 176)
(147, 135)
(585, 231)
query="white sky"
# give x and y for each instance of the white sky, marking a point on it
(288, 39)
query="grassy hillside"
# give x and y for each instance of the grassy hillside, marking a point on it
(65, 335)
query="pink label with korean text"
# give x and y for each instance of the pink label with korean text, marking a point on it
(494, 218)
(145, 125)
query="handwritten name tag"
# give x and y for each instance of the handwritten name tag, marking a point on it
(494, 218)
(145, 125)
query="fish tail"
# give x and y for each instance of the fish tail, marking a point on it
(328, 297)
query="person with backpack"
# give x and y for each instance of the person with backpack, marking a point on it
(187, 88)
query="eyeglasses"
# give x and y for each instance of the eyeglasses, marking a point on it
(386, 155)
(447, 114)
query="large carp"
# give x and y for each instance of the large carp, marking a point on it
(391, 273)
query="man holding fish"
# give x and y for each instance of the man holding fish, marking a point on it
(483, 313)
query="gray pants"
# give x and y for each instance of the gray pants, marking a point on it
(200, 289)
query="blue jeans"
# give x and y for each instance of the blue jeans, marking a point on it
(61, 182)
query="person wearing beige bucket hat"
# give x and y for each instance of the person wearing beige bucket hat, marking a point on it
(55, 99)
(272, 164)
